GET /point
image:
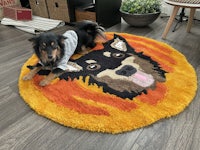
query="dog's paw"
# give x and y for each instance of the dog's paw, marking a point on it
(27, 77)
(44, 82)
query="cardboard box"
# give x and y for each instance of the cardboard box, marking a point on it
(58, 9)
(17, 13)
(39, 8)
(7, 3)
(86, 12)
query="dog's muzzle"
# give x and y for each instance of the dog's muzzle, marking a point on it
(137, 76)
(50, 57)
(126, 71)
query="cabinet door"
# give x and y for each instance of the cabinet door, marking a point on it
(107, 12)
(58, 9)
(39, 8)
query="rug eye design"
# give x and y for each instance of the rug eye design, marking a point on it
(119, 69)
(126, 83)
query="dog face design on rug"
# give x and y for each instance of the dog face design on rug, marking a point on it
(118, 69)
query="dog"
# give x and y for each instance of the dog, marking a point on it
(54, 51)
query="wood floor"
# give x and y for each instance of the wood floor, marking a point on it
(22, 129)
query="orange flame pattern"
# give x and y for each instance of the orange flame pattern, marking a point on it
(79, 105)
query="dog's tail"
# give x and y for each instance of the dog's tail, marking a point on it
(92, 28)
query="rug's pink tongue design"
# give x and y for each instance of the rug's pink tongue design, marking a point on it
(142, 79)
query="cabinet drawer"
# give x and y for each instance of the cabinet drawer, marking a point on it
(86, 13)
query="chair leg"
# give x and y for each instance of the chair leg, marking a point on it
(190, 20)
(170, 21)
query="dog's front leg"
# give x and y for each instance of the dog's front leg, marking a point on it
(84, 50)
(34, 70)
(48, 79)
(55, 73)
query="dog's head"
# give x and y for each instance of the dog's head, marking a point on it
(48, 47)
(92, 28)
(118, 69)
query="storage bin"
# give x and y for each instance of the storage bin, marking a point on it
(17, 13)
(7, 3)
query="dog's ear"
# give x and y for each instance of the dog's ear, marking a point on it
(34, 40)
(61, 40)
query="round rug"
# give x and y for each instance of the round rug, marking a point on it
(126, 83)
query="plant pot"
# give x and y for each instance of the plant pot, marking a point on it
(139, 20)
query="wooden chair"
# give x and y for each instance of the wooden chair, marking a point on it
(192, 4)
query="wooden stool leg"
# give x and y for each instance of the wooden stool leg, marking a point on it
(190, 20)
(170, 21)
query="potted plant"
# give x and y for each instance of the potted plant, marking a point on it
(140, 12)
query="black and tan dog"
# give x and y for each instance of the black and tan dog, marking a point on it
(54, 51)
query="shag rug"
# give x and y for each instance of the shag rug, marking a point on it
(126, 83)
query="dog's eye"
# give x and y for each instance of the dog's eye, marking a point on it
(118, 55)
(43, 45)
(93, 67)
(52, 43)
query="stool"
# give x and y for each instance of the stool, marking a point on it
(192, 4)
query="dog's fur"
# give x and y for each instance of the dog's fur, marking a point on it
(49, 48)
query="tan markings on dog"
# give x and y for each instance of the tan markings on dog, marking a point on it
(44, 44)
(127, 61)
(43, 56)
(62, 40)
(119, 45)
(130, 60)
(117, 84)
(52, 43)
(48, 79)
(55, 53)
(107, 54)
(90, 61)
(84, 50)
(101, 38)
(115, 81)
(58, 52)
(73, 67)
(148, 68)
(32, 73)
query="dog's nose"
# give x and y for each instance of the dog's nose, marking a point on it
(50, 57)
(126, 71)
